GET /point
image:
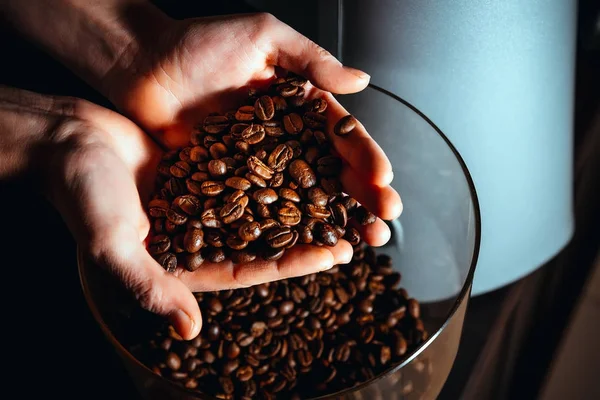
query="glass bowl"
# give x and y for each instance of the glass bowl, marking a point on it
(434, 246)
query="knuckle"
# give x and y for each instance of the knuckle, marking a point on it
(149, 295)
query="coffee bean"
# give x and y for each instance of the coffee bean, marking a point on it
(277, 180)
(176, 217)
(317, 105)
(349, 203)
(289, 215)
(188, 203)
(158, 208)
(280, 157)
(331, 186)
(364, 217)
(314, 120)
(218, 150)
(265, 196)
(253, 134)
(168, 261)
(198, 154)
(245, 114)
(259, 168)
(177, 243)
(159, 244)
(239, 183)
(193, 261)
(289, 194)
(302, 173)
(212, 188)
(193, 240)
(352, 236)
(312, 154)
(272, 254)
(287, 90)
(242, 256)
(293, 124)
(236, 243)
(279, 237)
(263, 211)
(231, 212)
(317, 212)
(329, 166)
(215, 255)
(217, 168)
(215, 124)
(180, 169)
(413, 308)
(345, 125)
(264, 108)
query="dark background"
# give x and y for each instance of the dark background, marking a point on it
(52, 346)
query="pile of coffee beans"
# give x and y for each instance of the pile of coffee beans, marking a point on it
(254, 182)
(295, 338)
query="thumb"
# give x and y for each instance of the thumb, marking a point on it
(154, 288)
(293, 51)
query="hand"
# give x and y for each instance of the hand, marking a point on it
(98, 169)
(197, 66)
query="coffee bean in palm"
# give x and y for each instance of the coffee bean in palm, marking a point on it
(314, 120)
(329, 166)
(253, 134)
(264, 108)
(364, 216)
(293, 124)
(210, 219)
(158, 208)
(317, 212)
(198, 154)
(239, 183)
(326, 234)
(250, 231)
(215, 255)
(265, 196)
(302, 173)
(242, 256)
(193, 240)
(339, 214)
(215, 124)
(231, 212)
(332, 186)
(289, 194)
(159, 244)
(317, 105)
(212, 188)
(279, 237)
(180, 169)
(245, 114)
(188, 203)
(259, 168)
(352, 236)
(289, 215)
(168, 261)
(218, 150)
(193, 261)
(287, 90)
(280, 157)
(217, 168)
(345, 125)
(176, 217)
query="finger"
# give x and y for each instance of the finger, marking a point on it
(384, 201)
(298, 261)
(358, 148)
(295, 52)
(376, 234)
(155, 290)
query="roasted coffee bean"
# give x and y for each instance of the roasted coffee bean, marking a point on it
(245, 114)
(265, 196)
(295, 146)
(287, 90)
(236, 243)
(218, 150)
(314, 120)
(352, 236)
(184, 154)
(317, 212)
(280, 157)
(239, 183)
(349, 203)
(180, 169)
(277, 180)
(339, 214)
(193, 240)
(164, 168)
(159, 244)
(232, 212)
(302, 173)
(312, 155)
(263, 211)
(210, 219)
(190, 204)
(289, 194)
(200, 176)
(317, 105)
(193, 261)
(345, 125)
(198, 154)
(168, 261)
(329, 166)
(364, 217)
(264, 108)
(317, 196)
(279, 237)
(212, 188)
(259, 168)
(289, 215)
(273, 128)
(272, 254)
(293, 124)
(215, 255)
(413, 308)
(215, 124)
(250, 231)
(253, 134)
(331, 186)
(176, 186)
(177, 217)
(242, 256)
(217, 168)
(170, 227)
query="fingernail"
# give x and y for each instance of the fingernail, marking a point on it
(360, 74)
(184, 324)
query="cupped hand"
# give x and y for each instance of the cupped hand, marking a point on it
(99, 170)
(204, 65)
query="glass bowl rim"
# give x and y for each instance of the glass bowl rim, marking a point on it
(464, 292)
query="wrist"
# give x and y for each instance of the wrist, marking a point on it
(97, 39)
